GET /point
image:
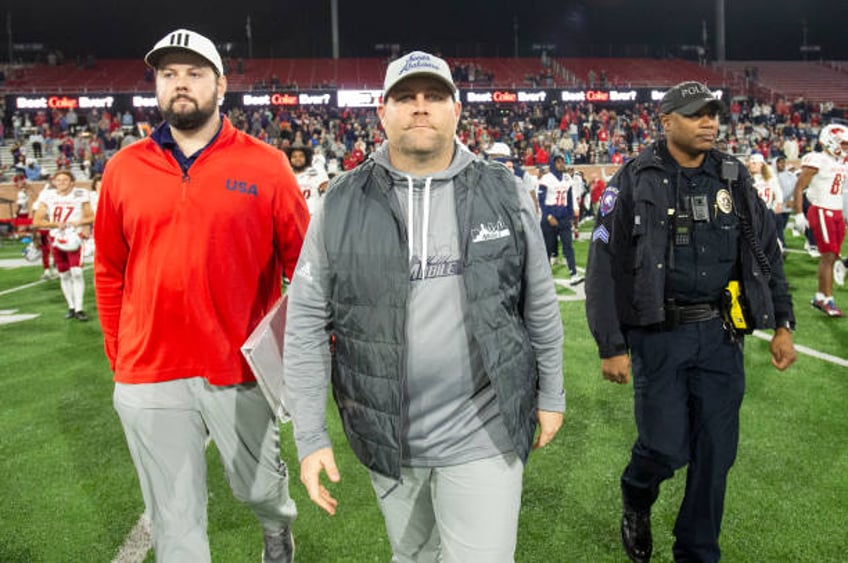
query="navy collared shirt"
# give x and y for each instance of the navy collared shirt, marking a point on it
(163, 137)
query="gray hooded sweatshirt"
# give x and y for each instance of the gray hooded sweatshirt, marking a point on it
(453, 415)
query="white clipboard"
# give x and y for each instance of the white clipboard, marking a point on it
(263, 351)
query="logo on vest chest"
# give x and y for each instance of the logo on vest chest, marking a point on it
(489, 231)
(234, 185)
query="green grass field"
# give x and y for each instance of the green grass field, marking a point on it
(68, 490)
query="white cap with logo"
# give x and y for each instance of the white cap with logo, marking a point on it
(417, 63)
(186, 40)
(499, 150)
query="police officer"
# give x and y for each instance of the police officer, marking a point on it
(675, 226)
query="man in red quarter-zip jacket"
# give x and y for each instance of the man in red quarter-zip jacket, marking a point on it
(196, 226)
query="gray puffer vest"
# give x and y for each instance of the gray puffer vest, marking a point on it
(366, 241)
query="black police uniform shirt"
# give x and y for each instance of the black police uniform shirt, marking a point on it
(704, 245)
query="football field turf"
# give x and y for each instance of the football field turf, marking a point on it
(68, 490)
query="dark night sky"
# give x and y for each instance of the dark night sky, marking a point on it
(755, 29)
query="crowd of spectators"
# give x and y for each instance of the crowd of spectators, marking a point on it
(582, 133)
(68, 139)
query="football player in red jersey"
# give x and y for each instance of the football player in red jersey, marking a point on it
(65, 211)
(823, 176)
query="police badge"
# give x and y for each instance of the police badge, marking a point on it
(724, 201)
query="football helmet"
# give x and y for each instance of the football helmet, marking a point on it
(32, 252)
(67, 240)
(832, 137)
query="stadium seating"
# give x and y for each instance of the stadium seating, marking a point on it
(46, 162)
(307, 73)
(508, 72)
(814, 81)
(641, 72)
(129, 75)
(104, 76)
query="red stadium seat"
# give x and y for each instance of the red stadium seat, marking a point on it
(813, 80)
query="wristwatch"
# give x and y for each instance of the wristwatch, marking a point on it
(790, 326)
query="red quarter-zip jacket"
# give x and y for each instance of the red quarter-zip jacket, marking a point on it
(188, 264)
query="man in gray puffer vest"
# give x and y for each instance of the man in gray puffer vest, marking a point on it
(426, 267)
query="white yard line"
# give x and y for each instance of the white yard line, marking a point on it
(139, 541)
(21, 287)
(580, 295)
(12, 263)
(9, 317)
(137, 544)
(806, 351)
(578, 289)
(29, 285)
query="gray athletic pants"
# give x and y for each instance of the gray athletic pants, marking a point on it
(166, 425)
(464, 513)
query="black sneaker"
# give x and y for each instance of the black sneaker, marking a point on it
(636, 535)
(279, 546)
(81, 316)
(70, 315)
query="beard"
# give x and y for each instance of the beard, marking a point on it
(188, 120)
(299, 169)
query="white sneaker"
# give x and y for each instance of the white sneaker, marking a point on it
(839, 272)
(812, 250)
(576, 279)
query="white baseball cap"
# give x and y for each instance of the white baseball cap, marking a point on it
(757, 157)
(417, 63)
(499, 150)
(186, 40)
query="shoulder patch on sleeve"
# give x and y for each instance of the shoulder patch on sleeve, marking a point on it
(608, 199)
